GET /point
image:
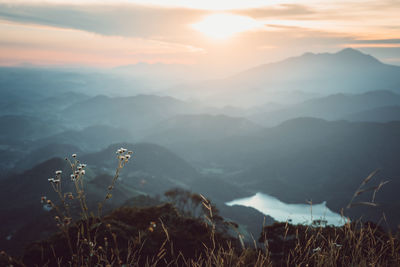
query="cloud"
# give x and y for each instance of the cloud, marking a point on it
(277, 11)
(120, 19)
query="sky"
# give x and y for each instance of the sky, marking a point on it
(218, 35)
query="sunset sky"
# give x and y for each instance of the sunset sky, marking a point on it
(231, 34)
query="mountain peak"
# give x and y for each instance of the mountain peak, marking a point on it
(354, 54)
(349, 51)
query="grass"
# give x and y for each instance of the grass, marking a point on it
(188, 231)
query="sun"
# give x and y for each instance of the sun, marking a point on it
(223, 25)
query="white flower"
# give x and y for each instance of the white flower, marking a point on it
(58, 172)
(316, 249)
(83, 172)
(50, 180)
(127, 156)
(74, 155)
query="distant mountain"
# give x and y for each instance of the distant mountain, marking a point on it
(153, 168)
(44, 153)
(134, 113)
(300, 78)
(380, 114)
(160, 76)
(44, 82)
(194, 128)
(347, 71)
(332, 107)
(88, 139)
(20, 197)
(21, 127)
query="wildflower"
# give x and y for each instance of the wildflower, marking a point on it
(67, 220)
(83, 165)
(74, 155)
(127, 156)
(73, 177)
(152, 226)
(316, 249)
(51, 180)
(121, 158)
(83, 172)
(130, 152)
(58, 172)
(56, 181)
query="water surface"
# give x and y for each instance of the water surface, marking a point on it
(295, 213)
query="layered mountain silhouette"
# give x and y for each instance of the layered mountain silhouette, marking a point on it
(335, 107)
(300, 78)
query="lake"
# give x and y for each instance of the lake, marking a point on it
(294, 213)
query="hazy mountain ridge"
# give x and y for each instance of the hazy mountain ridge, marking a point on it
(184, 128)
(332, 107)
(300, 78)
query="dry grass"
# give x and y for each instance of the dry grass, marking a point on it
(93, 241)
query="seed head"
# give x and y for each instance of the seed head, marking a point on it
(67, 221)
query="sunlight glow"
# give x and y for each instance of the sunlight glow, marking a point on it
(223, 25)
